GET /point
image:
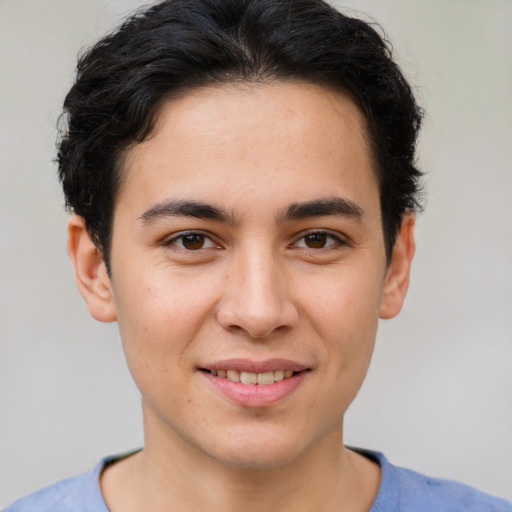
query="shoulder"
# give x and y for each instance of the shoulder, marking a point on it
(77, 494)
(445, 495)
(404, 490)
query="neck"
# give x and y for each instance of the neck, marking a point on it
(170, 475)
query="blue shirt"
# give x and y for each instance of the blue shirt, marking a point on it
(400, 490)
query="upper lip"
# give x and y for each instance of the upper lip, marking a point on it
(247, 365)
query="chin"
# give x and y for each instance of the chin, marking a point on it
(257, 459)
(258, 451)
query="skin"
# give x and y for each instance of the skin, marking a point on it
(257, 286)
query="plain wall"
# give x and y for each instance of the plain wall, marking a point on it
(438, 397)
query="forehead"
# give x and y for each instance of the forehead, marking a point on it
(252, 141)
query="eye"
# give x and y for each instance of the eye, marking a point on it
(318, 240)
(192, 241)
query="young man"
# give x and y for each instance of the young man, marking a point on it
(242, 180)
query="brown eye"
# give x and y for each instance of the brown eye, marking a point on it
(315, 240)
(193, 241)
(318, 240)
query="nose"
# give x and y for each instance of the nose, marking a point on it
(256, 299)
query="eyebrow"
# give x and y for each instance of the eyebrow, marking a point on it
(196, 209)
(295, 211)
(321, 207)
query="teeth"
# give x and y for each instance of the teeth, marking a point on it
(248, 378)
(233, 375)
(279, 375)
(262, 379)
(265, 378)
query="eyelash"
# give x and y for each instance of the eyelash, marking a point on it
(182, 236)
(203, 237)
(336, 240)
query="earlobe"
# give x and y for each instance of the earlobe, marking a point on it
(399, 269)
(91, 275)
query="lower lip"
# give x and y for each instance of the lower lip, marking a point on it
(256, 395)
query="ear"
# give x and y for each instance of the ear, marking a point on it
(90, 272)
(399, 269)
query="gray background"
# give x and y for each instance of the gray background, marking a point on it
(438, 397)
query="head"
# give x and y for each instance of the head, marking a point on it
(179, 46)
(245, 168)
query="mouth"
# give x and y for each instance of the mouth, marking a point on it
(245, 377)
(255, 384)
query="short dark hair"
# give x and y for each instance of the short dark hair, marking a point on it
(178, 45)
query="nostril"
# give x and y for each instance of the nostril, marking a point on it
(256, 319)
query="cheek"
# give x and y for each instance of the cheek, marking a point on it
(344, 315)
(344, 301)
(159, 318)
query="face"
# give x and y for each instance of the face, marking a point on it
(247, 244)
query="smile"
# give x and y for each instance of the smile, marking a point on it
(255, 384)
(262, 379)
